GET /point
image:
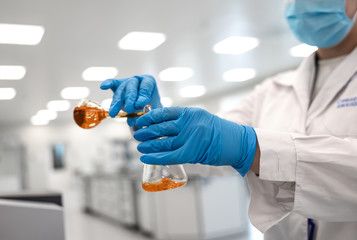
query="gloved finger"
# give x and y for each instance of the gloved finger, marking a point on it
(146, 89)
(133, 129)
(117, 101)
(163, 158)
(157, 145)
(131, 121)
(110, 83)
(131, 94)
(159, 115)
(168, 128)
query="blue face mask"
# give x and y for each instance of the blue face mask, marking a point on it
(321, 23)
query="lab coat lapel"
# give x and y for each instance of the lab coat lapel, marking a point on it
(303, 82)
(337, 80)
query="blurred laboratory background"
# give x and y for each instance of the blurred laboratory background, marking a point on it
(208, 54)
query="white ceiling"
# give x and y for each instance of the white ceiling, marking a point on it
(81, 34)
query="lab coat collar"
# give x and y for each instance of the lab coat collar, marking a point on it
(338, 79)
(296, 79)
(302, 81)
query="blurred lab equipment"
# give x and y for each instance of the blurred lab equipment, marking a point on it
(202, 210)
(18, 211)
(13, 165)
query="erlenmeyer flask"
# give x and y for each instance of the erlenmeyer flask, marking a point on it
(160, 178)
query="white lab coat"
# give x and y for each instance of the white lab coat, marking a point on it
(308, 164)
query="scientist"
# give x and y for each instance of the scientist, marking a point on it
(295, 136)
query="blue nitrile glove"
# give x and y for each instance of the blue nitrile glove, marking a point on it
(132, 94)
(194, 136)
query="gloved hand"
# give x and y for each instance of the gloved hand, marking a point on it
(132, 94)
(194, 136)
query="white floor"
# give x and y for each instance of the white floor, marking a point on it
(82, 226)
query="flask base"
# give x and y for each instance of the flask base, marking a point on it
(164, 184)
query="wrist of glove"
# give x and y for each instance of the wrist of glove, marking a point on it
(238, 142)
(194, 135)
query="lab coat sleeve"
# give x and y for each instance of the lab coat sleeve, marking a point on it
(315, 176)
(323, 168)
(270, 200)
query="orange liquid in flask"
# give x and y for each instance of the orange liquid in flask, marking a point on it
(164, 184)
(88, 114)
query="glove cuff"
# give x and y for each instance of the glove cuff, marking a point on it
(250, 145)
(238, 146)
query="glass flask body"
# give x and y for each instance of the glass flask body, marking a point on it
(160, 178)
(89, 114)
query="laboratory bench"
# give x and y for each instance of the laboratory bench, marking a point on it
(205, 208)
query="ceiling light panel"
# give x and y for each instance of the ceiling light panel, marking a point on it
(7, 93)
(176, 74)
(141, 41)
(302, 50)
(21, 34)
(106, 103)
(166, 101)
(12, 72)
(99, 73)
(235, 45)
(239, 74)
(47, 114)
(192, 91)
(75, 92)
(38, 121)
(58, 105)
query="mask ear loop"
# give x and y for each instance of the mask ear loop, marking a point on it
(354, 17)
